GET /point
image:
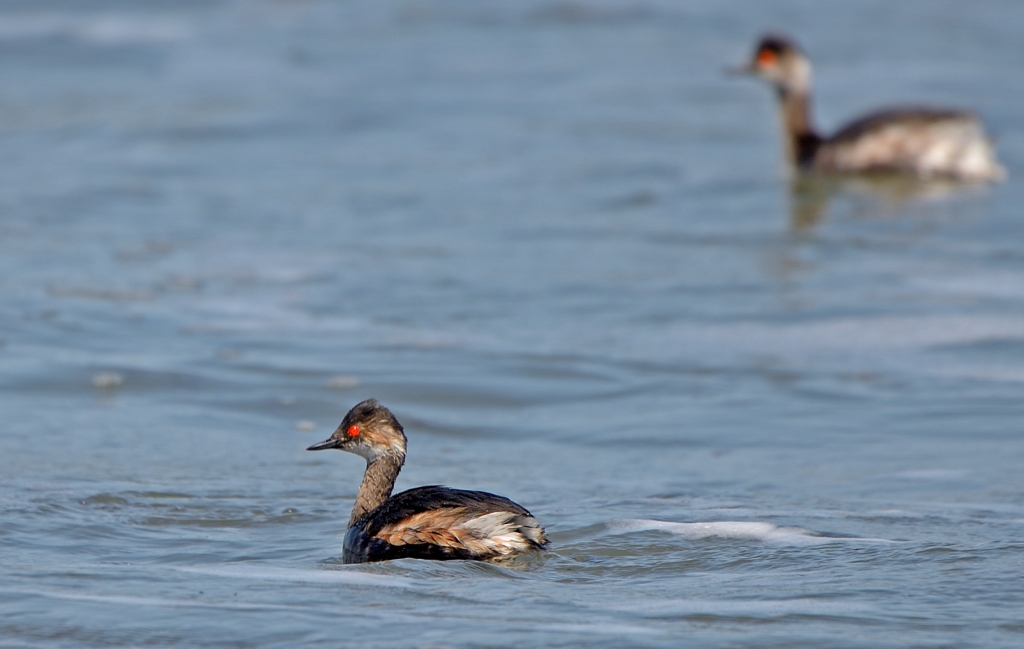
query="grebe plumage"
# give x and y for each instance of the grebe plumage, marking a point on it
(426, 522)
(923, 142)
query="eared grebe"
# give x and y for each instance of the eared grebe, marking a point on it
(924, 142)
(425, 522)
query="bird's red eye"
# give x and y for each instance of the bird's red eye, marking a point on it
(353, 431)
(767, 58)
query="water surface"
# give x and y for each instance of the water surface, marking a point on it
(557, 242)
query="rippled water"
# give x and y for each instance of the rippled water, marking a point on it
(557, 242)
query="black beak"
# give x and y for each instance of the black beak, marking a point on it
(326, 444)
(740, 70)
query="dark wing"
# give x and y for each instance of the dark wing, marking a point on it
(432, 498)
(443, 523)
(910, 117)
(919, 141)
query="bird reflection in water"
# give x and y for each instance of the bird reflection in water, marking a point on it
(813, 196)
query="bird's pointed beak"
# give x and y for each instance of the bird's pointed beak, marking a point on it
(740, 70)
(326, 444)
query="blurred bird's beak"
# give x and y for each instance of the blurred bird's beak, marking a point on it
(740, 70)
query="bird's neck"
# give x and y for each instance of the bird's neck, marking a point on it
(802, 140)
(378, 481)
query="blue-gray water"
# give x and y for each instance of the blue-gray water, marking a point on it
(556, 240)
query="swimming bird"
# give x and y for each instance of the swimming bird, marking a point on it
(924, 142)
(426, 522)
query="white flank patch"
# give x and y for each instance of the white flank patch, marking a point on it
(499, 531)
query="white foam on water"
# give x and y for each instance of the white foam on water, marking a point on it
(271, 573)
(738, 530)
